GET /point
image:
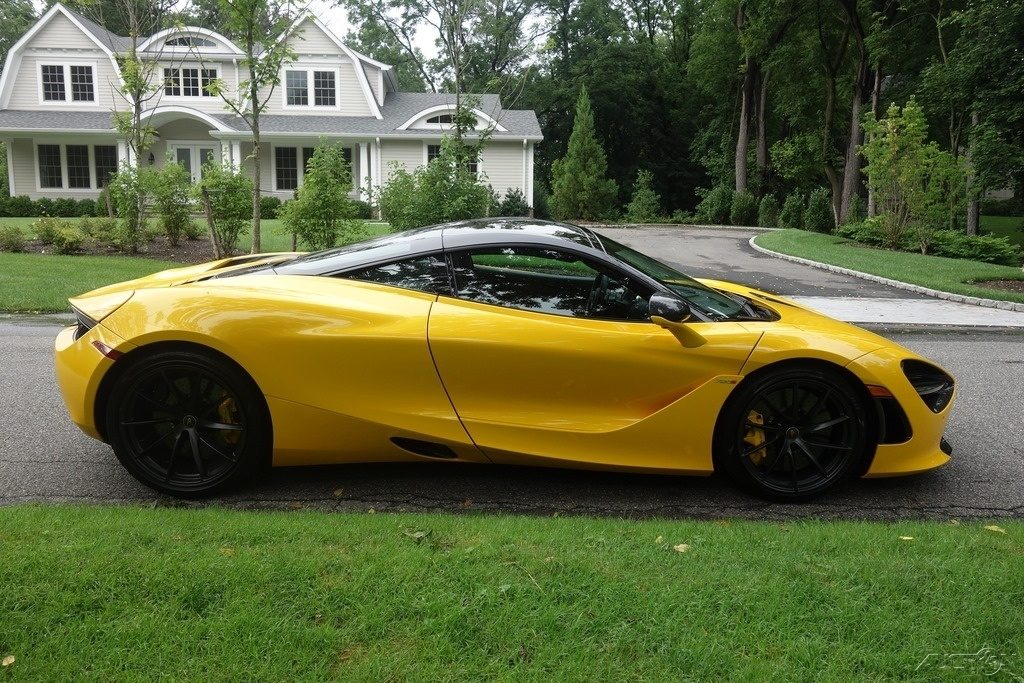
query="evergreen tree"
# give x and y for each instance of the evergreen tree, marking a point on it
(580, 186)
(645, 207)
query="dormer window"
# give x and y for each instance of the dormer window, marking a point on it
(311, 88)
(189, 41)
(189, 82)
(441, 118)
(67, 83)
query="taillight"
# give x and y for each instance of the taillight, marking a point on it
(933, 385)
(108, 351)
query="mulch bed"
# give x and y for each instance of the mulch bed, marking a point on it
(187, 251)
(1003, 285)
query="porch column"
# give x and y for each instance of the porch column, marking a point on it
(529, 177)
(226, 160)
(236, 153)
(122, 152)
(364, 170)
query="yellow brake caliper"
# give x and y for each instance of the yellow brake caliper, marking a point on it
(226, 413)
(755, 436)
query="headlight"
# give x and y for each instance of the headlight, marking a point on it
(933, 385)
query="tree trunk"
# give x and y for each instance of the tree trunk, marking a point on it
(208, 210)
(851, 169)
(256, 163)
(876, 93)
(974, 205)
(743, 134)
(762, 136)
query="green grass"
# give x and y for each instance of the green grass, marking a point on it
(128, 594)
(43, 282)
(1004, 226)
(945, 274)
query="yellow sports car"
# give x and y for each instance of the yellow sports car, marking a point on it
(492, 341)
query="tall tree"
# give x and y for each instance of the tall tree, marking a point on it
(580, 186)
(264, 53)
(16, 16)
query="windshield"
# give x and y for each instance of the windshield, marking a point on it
(715, 303)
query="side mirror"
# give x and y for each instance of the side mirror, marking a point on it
(670, 308)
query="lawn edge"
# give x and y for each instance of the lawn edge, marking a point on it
(898, 284)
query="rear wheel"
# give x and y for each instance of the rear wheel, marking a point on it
(792, 434)
(187, 423)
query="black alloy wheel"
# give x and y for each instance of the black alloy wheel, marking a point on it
(794, 434)
(187, 423)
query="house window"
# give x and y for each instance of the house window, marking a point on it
(323, 89)
(53, 83)
(82, 89)
(49, 166)
(189, 82)
(297, 88)
(433, 152)
(78, 166)
(106, 163)
(287, 168)
(441, 118)
(189, 41)
(208, 76)
(172, 82)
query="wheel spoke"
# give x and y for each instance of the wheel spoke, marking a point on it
(817, 404)
(754, 449)
(174, 456)
(193, 442)
(754, 425)
(155, 421)
(828, 445)
(829, 423)
(151, 446)
(223, 426)
(219, 452)
(792, 467)
(178, 396)
(810, 456)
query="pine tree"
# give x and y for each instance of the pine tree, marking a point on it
(645, 207)
(580, 186)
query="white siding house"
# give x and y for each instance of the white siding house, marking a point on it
(59, 91)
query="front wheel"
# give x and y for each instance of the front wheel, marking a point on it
(791, 435)
(187, 423)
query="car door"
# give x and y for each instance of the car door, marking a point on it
(549, 356)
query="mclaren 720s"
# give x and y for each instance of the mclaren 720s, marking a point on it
(498, 341)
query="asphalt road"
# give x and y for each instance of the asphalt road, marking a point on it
(44, 457)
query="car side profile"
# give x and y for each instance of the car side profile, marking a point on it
(504, 341)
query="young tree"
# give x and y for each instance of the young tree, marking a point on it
(645, 207)
(264, 53)
(322, 207)
(580, 186)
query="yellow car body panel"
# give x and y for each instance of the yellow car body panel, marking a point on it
(345, 366)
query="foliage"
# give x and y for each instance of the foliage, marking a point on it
(792, 214)
(171, 187)
(68, 240)
(229, 191)
(715, 206)
(443, 190)
(11, 238)
(645, 206)
(46, 228)
(322, 207)
(16, 16)
(818, 216)
(514, 204)
(580, 186)
(1013, 206)
(917, 186)
(744, 209)
(985, 248)
(768, 212)
(19, 205)
(128, 192)
(363, 209)
(857, 211)
(103, 230)
(270, 207)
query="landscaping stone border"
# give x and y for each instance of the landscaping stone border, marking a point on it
(927, 291)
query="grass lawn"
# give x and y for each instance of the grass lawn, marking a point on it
(1004, 226)
(945, 274)
(205, 594)
(43, 282)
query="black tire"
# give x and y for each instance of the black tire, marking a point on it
(792, 434)
(188, 423)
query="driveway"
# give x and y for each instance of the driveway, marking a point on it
(44, 457)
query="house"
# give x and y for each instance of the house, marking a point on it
(59, 91)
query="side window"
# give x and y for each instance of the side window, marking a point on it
(548, 281)
(423, 274)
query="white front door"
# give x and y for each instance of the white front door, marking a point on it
(194, 155)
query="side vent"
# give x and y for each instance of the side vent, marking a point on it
(427, 449)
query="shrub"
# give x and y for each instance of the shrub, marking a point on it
(193, 230)
(645, 206)
(68, 240)
(104, 205)
(65, 208)
(792, 214)
(44, 207)
(444, 190)
(270, 207)
(985, 248)
(857, 211)
(540, 201)
(46, 228)
(322, 208)
(103, 230)
(364, 210)
(171, 186)
(681, 217)
(230, 194)
(818, 215)
(715, 205)
(1013, 206)
(21, 206)
(514, 204)
(768, 212)
(11, 238)
(744, 209)
(579, 183)
(128, 195)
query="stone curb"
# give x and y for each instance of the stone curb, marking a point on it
(927, 291)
